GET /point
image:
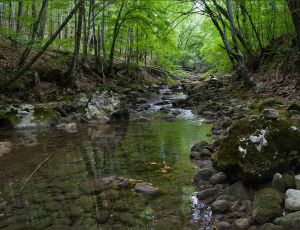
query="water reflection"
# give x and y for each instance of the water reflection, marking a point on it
(69, 191)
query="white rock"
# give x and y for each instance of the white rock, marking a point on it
(292, 200)
(102, 106)
(297, 181)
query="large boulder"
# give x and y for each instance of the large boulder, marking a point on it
(266, 205)
(102, 105)
(256, 149)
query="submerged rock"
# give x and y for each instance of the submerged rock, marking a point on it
(5, 147)
(292, 200)
(256, 149)
(146, 188)
(266, 205)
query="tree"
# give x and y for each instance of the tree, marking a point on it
(294, 6)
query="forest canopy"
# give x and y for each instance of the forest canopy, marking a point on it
(223, 35)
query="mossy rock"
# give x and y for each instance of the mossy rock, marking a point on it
(44, 114)
(261, 105)
(9, 118)
(266, 205)
(243, 158)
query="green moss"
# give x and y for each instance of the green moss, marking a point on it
(267, 205)
(237, 91)
(11, 116)
(258, 165)
(261, 105)
(42, 114)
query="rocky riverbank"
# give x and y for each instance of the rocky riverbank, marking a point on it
(249, 177)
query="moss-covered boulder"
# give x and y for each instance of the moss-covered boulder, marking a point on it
(257, 148)
(26, 116)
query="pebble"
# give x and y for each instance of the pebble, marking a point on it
(243, 223)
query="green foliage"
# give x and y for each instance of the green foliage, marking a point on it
(167, 33)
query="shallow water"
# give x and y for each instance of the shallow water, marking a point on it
(65, 194)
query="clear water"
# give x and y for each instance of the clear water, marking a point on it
(64, 193)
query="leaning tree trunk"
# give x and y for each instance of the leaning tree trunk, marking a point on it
(20, 13)
(26, 67)
(294, 6)
(35, 27)
(240, 66)
(71, 71)
(115, 36)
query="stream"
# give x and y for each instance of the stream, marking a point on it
(68, 190)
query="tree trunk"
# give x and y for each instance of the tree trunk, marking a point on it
(71, 71)
(294, 6)
(240, 66)
(20, 14)
(115, 36)
(41, 33)
(103, 32)
(10, 15)
(35, 27)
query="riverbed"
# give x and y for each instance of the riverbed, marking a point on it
(50, 178)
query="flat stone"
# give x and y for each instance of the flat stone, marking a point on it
(238, 190)
(297, 181)
(223, 226)
(290, 221)
(227, 197)
(146, 188)
(220, 206)
(270, 114)
(218, 178)
(243, 223)
(292, 200)
(203, 174)
(270, 226)
(207, 193)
